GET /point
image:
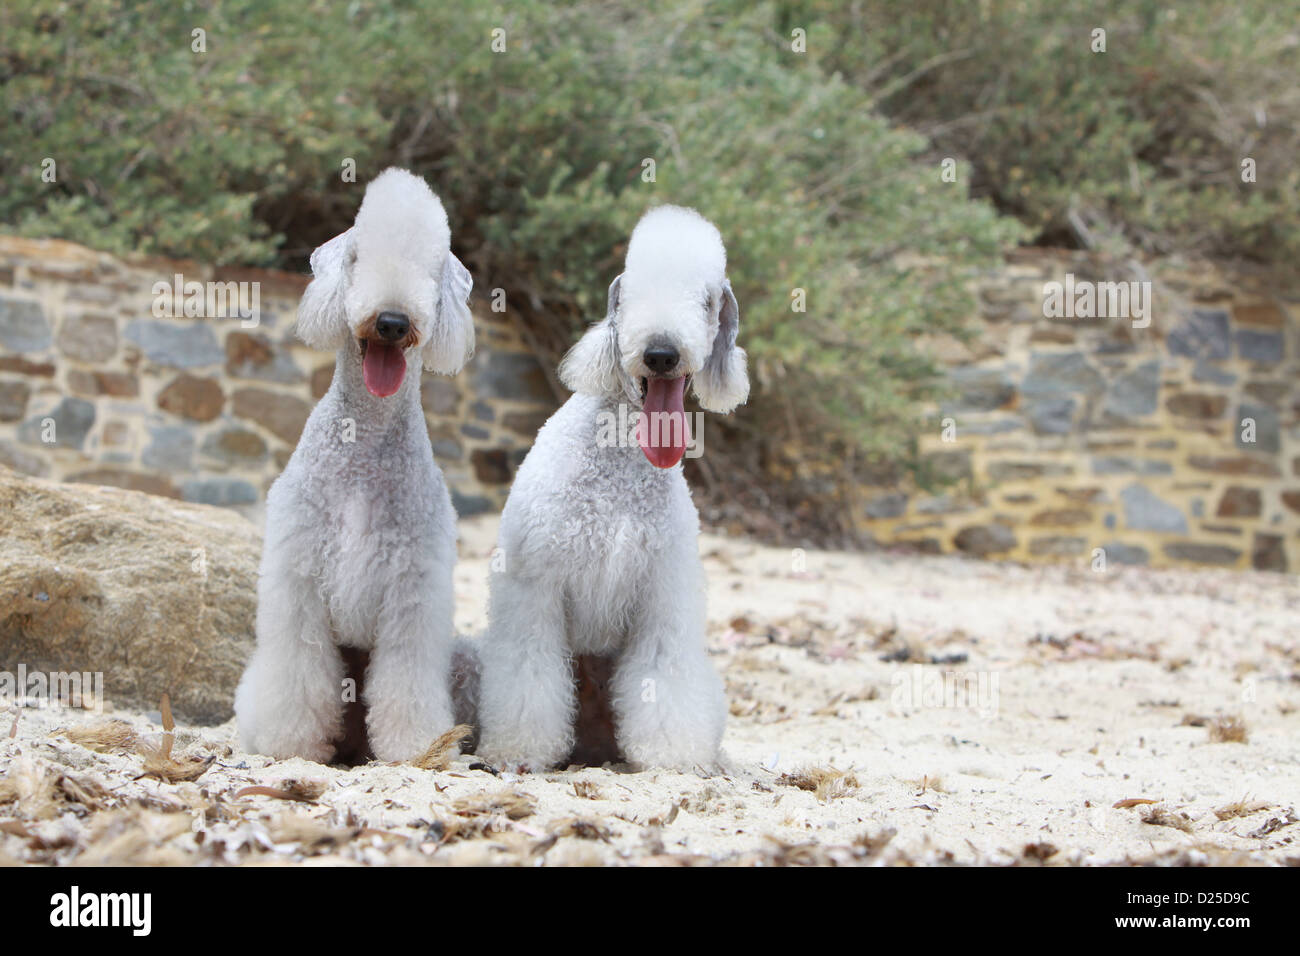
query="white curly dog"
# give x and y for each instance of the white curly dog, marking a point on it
(360, 532)
(596, 618)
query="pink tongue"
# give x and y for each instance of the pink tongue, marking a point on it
(662, 429)
(383, 368)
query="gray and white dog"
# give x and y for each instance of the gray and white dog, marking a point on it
(602, 582)
(360, 531)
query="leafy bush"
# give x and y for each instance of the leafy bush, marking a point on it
(234, 155)
(1136, 148)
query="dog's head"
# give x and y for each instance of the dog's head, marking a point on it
(390, 287)
(671, 322)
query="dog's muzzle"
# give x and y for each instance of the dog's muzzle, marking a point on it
(382, 341)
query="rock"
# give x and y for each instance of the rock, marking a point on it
(1144, 511)
(1061, 517)
(282, 415)
(1268, 553)
(1212, 375)
(16, 363)
(1196, 405)
(886, 506)
(483, 412)
(948, 466)
(1057, 546)
(525, 424)
(989, 426)
(1125, 465)
(983, 540)
(1219, 554)
(1050, 416)
(236, 446)
(21, 460)
(439, 396)
(1202, 335)
(1272, 394)
(157, 595)
(1268, 436)
(199, 399)
(23, 327)
(222, 492)
(979, 390)
(1126, 553)
(467, 505)
(475, 433)
(188, 345)
(1134, 394)
(322, 378)
(1235, 466)
(1239, 502)
(1058, 373)
(129, 480)
(72, 419)
(1259, 314)
(1263, 347)
(13, 400)
(445, 444)
(490, 465)
(1000, 471)
(251, 355)
(1093, 495)
(118, 384)
(88, 338)
(512, 375)
(1292, 500)
(171, 448)
(938, 505)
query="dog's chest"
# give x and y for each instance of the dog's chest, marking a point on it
(369, 553)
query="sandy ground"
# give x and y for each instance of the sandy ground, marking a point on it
(885, 709)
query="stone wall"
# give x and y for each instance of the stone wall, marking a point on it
(1064, 435)
(209, 409)
(1069, 435)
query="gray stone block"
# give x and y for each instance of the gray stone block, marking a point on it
(1146, 511)
(23, 327)
(171, 448)
(73, 418)
(189, 345)
(1202, 335)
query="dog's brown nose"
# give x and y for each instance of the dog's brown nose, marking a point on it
(392, 326)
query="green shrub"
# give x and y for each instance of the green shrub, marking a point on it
(1137, 148)
(235, 156)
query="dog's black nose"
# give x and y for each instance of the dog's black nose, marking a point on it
(391, 326)
(661, 359)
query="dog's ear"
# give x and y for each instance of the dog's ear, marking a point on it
(321, 320)
(723, 383)
(451, 340)
(591, 366)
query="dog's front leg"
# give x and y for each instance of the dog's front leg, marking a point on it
(669, 704)
(290, 700)
(527, 700)
(408, 684)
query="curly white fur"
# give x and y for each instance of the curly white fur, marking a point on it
(360, 540)
(599, 546)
